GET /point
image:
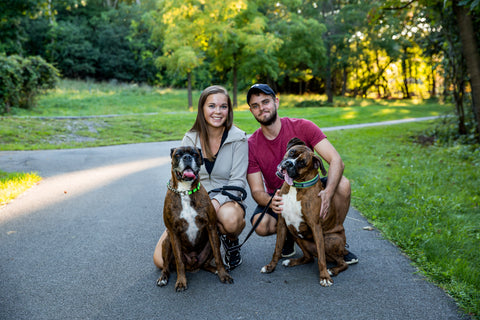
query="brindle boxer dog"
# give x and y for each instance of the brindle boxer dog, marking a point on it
(324, 239)
(191, 222)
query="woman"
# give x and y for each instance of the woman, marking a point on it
(225, 152)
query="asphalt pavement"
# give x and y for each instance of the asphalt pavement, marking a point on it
(79, 245)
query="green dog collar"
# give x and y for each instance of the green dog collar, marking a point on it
(306, 184)
(183, 192)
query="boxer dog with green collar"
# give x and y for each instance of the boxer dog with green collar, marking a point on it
(317, 237)
(189, 216)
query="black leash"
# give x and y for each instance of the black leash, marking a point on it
(224, 190)
(255, 225)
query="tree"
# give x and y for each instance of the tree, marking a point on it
(12, 33)
(463, 12)
(180, 28)
(302, 54)
(72, 49)
(470, 52)
(239, 41)
(114, 36)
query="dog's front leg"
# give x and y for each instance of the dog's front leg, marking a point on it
(215, 244)
(281, 235)
(167, 259)
(181, 283)
(307, 249)
(325, 279)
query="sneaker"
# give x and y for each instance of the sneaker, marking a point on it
(350, 258)
(288, 247)
(232, 258)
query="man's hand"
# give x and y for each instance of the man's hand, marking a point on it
(277, 203)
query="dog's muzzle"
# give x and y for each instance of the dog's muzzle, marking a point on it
(187, 168)
(286, 170)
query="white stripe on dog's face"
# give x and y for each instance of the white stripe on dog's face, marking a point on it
(187, 160)
(288, 168)
(189, 213)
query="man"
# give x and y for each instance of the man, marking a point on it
(268, 145)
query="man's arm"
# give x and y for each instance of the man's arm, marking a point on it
(261, 197)
(335, 171)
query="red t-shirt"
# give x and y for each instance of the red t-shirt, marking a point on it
(265, 155)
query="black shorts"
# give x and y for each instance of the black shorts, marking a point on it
(259, 209)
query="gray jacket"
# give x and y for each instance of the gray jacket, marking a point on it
(231, 164)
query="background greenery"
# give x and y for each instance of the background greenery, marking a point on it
(153, 114)
(413, 181)
(422, 196)
(142, 64)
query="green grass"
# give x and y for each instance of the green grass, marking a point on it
(79, 98)
(14, 184)
(171, 118)
(425, 199)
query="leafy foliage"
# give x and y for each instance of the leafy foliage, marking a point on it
(22, 80)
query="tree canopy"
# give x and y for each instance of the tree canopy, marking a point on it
(379, 48)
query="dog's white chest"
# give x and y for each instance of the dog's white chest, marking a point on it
(292, 209)
(188, 213)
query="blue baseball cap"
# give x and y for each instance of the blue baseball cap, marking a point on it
(257, 88)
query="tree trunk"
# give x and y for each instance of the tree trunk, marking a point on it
(406, 92)
(328, 80)
(190, 100)
(344, 81)
(235, 83)
(433, 91)
(472, 57)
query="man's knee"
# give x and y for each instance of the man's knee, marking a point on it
(266, 227)
(344, 189)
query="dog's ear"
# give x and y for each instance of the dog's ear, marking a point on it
(295, 142)
(201, 157)
(172, 151)
(318, 163)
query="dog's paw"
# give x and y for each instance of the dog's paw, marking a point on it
(326, 282)
(286, 262)
(267, 269)
(180, 286)
(330, 272)
(162, 281)
(224, 276)
(226, 279)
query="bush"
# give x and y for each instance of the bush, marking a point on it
(9, 83)
(22, 79)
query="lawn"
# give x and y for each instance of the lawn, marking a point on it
(13, 184)
(425, 197)
(152, 114)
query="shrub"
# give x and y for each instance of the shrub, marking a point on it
(23, 79)
(10, 80)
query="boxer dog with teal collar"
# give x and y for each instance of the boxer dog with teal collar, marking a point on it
(189, 216)
(317, 237)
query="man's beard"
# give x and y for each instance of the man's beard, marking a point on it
(269, 120)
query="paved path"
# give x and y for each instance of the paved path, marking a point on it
(79, 246)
